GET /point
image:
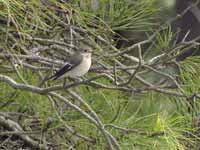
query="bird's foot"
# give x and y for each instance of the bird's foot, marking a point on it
(65, 82)
(76, 79)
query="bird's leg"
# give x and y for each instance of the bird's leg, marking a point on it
(87, 87)
(65, 81)
(83, 78)
(76, 79)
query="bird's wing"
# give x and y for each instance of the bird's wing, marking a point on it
(66, 67)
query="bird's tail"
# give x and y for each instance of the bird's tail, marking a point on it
(46, 79)
(53, 77)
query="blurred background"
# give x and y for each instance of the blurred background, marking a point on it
(158, 109)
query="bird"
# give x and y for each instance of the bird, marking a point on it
(77, 65)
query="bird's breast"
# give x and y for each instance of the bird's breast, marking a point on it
(81, 69)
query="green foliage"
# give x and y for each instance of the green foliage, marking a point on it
(190, 73)
(191, 80)
(120, 15)
(157, 120)
(164, 39)
(136, 16)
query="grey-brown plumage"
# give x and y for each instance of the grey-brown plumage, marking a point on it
(78, 64)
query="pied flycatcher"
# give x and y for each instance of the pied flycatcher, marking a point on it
(78, 65)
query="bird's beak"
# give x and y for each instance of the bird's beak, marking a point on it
(90, 51)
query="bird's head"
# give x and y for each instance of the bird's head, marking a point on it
(85, 52)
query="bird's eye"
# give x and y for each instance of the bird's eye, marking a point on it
(85, 50)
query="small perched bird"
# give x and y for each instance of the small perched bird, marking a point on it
(78, 65)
